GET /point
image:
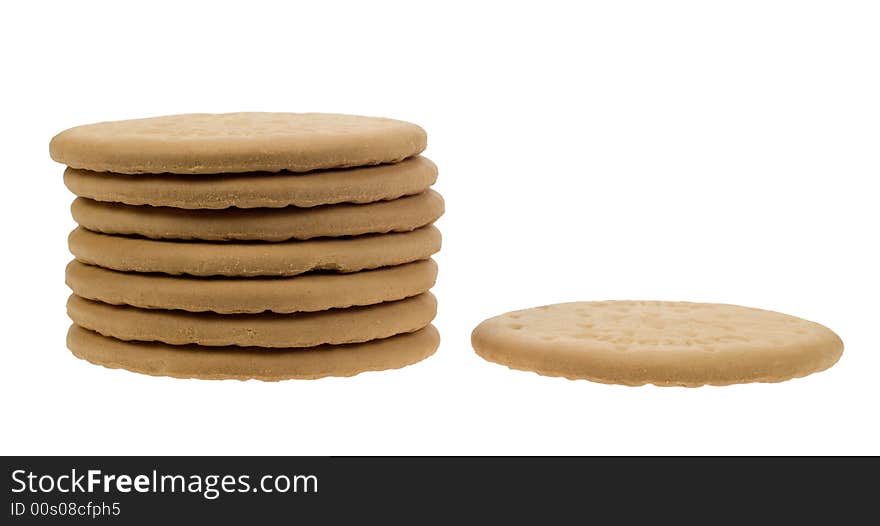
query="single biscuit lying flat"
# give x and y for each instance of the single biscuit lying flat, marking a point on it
(288, 258)
(246, 363)
(260, 224)
(304, 293)
(202, 143)
(307, 329)
(259, 189)
(662, 343)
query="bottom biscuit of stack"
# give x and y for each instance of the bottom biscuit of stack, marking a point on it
(269, 328)
(257, 363)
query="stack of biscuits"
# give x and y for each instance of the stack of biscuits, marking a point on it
(251, 245)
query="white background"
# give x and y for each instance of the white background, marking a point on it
(707, 151)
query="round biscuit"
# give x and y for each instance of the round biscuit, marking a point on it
(304, 293)
(257, 189)
(657, 342)
(303, 329)
(260, 224)
(286, 258)
(253, 363)
(205, 143)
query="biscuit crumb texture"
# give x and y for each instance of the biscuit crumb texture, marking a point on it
(657, 342)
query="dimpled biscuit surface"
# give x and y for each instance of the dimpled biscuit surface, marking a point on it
(662, 343)
(203, 143)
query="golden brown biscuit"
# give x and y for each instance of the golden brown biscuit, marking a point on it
(260, 224)
(257, 189)
(287, 258)
(662, 343)
(304, 329)
(246, 363)
(202, 143)
(304, 293)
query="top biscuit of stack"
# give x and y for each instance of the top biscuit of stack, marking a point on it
(237, 142)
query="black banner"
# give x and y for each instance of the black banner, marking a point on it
(144, 490)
